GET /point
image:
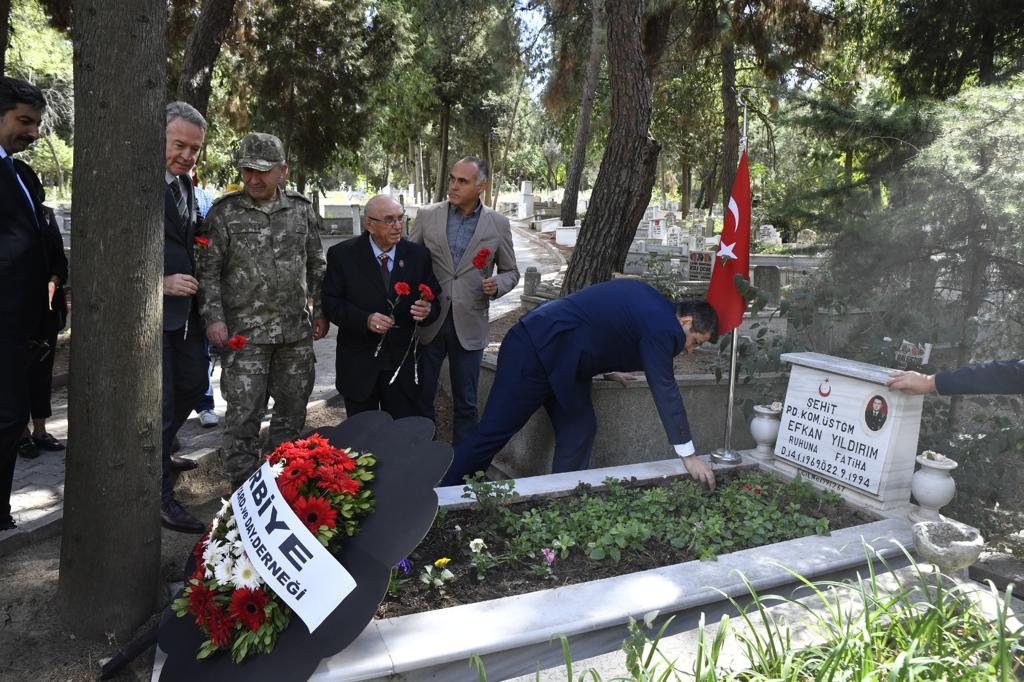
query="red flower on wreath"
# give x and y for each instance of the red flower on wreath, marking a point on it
(247, 607)
(220, 625)
(336, 480)
(289, 492)
(402, 288)
(315, 512)
(426, 293)
(296, 472)
(201, 602)
(202, 242)
(237, 342)
(480, 259)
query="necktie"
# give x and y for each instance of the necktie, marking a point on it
(384, 269)
(9, 165)
(179, 199)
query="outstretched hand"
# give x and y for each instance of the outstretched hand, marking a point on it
(912, 382)
(700, 471)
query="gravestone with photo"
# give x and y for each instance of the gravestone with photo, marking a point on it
(843, 430)
(700, 265)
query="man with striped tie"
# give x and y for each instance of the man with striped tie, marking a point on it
(184, 363)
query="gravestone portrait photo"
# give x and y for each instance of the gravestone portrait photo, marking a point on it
(876, 412)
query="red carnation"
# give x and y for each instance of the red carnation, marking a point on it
(296, 472)
(237, 342)
(247, 607)
(425, 293)
(480, 259)
(314, 512)
(402, 288)
(203, 242)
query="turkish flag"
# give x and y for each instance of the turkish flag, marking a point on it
(733, 257)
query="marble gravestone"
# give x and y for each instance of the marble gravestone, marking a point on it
(843, 430)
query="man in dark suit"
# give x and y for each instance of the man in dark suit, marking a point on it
(1001, 377)
(375, 323)
(550, 357)
(24, 272)
(184, 363)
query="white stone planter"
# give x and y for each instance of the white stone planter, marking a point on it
(933, 487)
(764, 427)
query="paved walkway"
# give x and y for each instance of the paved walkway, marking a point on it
(38, 498)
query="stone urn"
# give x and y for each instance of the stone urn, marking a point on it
(950, 546)
(764, 427)
(932, 485)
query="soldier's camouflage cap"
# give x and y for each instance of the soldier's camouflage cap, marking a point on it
(260, 151)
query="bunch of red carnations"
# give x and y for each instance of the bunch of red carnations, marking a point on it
(230, 602)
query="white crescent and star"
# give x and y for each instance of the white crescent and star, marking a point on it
(734, 209)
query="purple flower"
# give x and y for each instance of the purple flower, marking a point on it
(549, 556)
(404, 566)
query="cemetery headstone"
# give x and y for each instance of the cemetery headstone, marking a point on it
(768, 279)
(806, 236)
(700, 265)
(525, 200)
(845, 431)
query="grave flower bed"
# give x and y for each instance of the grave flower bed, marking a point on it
(501, 547)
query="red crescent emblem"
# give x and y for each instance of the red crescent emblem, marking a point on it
(824, 390)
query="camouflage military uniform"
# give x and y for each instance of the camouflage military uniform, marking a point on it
(263, 265)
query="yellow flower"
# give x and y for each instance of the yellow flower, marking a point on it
(442, 562)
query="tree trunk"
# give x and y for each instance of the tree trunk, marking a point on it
(848, 166)
(626, 176)
(110, 552)
(486, 151)
(56, 163)
(5, 33)
(685, 188)
(730, 109)
(574, 173)
(417, 170)
(201, 50)
(442, 166)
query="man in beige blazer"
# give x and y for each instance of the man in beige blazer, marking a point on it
(462, 234)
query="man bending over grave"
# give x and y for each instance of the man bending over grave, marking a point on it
(550, 357)
(1001, 376)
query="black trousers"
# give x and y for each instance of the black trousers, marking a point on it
(40, 381)
(184, 385)
(392, 399)
(15, 363)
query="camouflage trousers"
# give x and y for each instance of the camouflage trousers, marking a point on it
(282, 371)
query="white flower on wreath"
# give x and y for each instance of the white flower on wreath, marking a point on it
(214, 552)
(244, 574)
(231, 537)
(224, 570)
(277, 468)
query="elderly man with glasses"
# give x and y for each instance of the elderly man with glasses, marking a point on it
(379, 288)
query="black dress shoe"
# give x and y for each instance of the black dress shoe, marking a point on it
(47, 442)
(179, 463)
(27, 448)
(8, 524)
(174, 517)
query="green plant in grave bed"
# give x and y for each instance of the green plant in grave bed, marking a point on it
(492, 499)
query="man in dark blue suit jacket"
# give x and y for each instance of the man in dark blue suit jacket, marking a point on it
(184, 361)
(1001, 376)
(360, 298)
(551, 356)
(24, 272)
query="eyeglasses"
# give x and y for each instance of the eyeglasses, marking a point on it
(390, 219)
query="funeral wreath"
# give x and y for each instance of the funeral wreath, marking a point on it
(231, 604)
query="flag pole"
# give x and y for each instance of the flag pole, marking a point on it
(725, 454)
